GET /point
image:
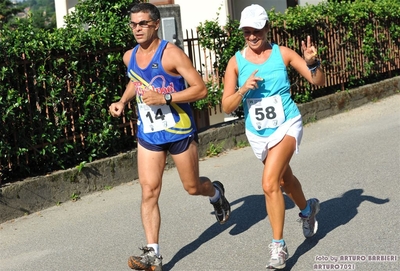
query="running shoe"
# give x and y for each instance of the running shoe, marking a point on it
(148, 261)
(310, 223)
(221, 206)
(278, 256)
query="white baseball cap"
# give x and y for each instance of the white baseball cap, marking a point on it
(253, 16)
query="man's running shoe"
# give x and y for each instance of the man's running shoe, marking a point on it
(310, 223)
(148, 261)
(221, 206)
(278, 256)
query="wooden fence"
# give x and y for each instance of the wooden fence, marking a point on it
(344, 60)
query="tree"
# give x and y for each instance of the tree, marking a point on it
(97, 13)
(106, 20)
(7, 11)
(43, 13)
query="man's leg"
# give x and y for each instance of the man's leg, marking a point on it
(187, 164)
(151, 167)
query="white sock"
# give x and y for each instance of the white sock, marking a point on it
(156, 248)
(215, 197)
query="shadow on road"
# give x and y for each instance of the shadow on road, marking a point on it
(334, 213)
(251, 210)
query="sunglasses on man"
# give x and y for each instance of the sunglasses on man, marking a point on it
(143, 24)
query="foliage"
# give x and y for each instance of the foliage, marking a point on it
(55, 87)
(242, 144)
(40, 12)
(7, 10)
(224, 41)
(214, 97)
(214, 150)
(75, 196)
(105, 22)
(350, 19)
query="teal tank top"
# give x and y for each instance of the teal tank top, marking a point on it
(276, 82)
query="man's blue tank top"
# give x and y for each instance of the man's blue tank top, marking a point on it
(156, 78)
(276, 82)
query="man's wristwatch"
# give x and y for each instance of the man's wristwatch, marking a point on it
(168, 98)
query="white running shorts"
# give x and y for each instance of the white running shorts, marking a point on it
(261, 145)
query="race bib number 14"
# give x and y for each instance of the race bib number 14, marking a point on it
(156, 117)
(266, 112)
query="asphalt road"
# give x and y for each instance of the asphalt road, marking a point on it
(350, 161)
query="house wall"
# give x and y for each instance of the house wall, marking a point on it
(239, 5)
(195, 12)
(64, 7)
(311, 2)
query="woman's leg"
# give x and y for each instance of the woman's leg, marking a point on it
(275, 167)
(293, 189)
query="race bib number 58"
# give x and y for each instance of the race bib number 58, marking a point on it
(266, 112)
(156, 117)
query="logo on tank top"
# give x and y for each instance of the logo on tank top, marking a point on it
(154, 66)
